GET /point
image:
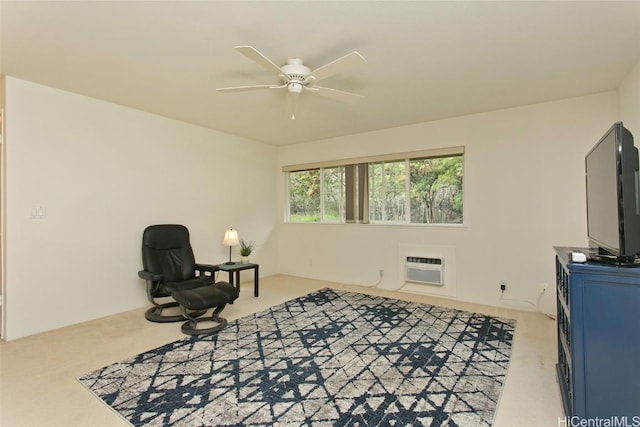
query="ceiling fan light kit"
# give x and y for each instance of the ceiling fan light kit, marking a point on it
(295, 87)
(297, 77)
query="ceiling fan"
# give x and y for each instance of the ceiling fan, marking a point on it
(296, 77)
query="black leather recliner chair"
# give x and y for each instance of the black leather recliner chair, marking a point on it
(170, 270)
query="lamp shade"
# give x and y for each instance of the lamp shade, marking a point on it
(231, 238)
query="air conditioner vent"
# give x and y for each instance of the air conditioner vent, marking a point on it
(429, 271)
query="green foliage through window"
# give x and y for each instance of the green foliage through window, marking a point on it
(304, 196)
(333, 186)
(387, 191)
(436, 190)
(417, 190)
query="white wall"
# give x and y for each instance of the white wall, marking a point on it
(629, 94)
(524, 194)
(103, 172)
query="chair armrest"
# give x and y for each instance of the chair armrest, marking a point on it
(148, 275)
(207, 267)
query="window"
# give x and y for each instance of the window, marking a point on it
(436, 190)
(317, 195)
(419, 188)
(387, 191)
(304, 196)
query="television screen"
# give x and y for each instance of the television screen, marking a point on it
(613, 200)
(602, 194)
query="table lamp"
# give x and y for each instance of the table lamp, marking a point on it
(230, 239)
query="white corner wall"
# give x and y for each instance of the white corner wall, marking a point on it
(524, 194)
(103, 172)
(629, 94)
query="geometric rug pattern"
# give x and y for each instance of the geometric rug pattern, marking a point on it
(330, 358)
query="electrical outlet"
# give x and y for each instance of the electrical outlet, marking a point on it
(381, 272)
(544, 289)
(503, 286)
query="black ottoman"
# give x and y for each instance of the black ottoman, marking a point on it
(217, 295)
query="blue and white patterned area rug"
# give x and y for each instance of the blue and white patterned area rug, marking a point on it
(330, 358)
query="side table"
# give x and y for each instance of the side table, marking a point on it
(234, 274)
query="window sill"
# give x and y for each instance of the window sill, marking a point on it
(379, 224)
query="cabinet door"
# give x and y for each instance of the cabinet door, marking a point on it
(611, 334)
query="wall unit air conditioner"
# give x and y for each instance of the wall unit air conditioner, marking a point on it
(429, 271)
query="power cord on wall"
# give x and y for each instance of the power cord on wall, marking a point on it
(503, 300)
(381, 273)
(536, 306)
(375, 285)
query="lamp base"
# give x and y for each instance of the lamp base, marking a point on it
(229, 263)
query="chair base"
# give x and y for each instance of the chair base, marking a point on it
(191, 327)
(216, 296)
(154, 314)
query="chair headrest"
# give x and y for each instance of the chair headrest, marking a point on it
(165, 236)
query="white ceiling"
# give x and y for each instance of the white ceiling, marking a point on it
(426, 60)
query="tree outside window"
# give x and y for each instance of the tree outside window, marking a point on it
(415, 190)
(387, 191)
(333, 193)
(436, 190)
(304, 196)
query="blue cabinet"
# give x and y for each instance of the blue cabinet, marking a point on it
(598, 338)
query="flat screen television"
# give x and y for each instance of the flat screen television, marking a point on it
(613, 198)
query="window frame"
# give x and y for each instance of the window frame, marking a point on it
(406, 157)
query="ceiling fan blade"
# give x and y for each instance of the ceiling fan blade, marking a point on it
(338, 66)
(251, 53)
(246, 88)
(338, 95)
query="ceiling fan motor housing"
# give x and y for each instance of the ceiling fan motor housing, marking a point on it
(295, 71)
